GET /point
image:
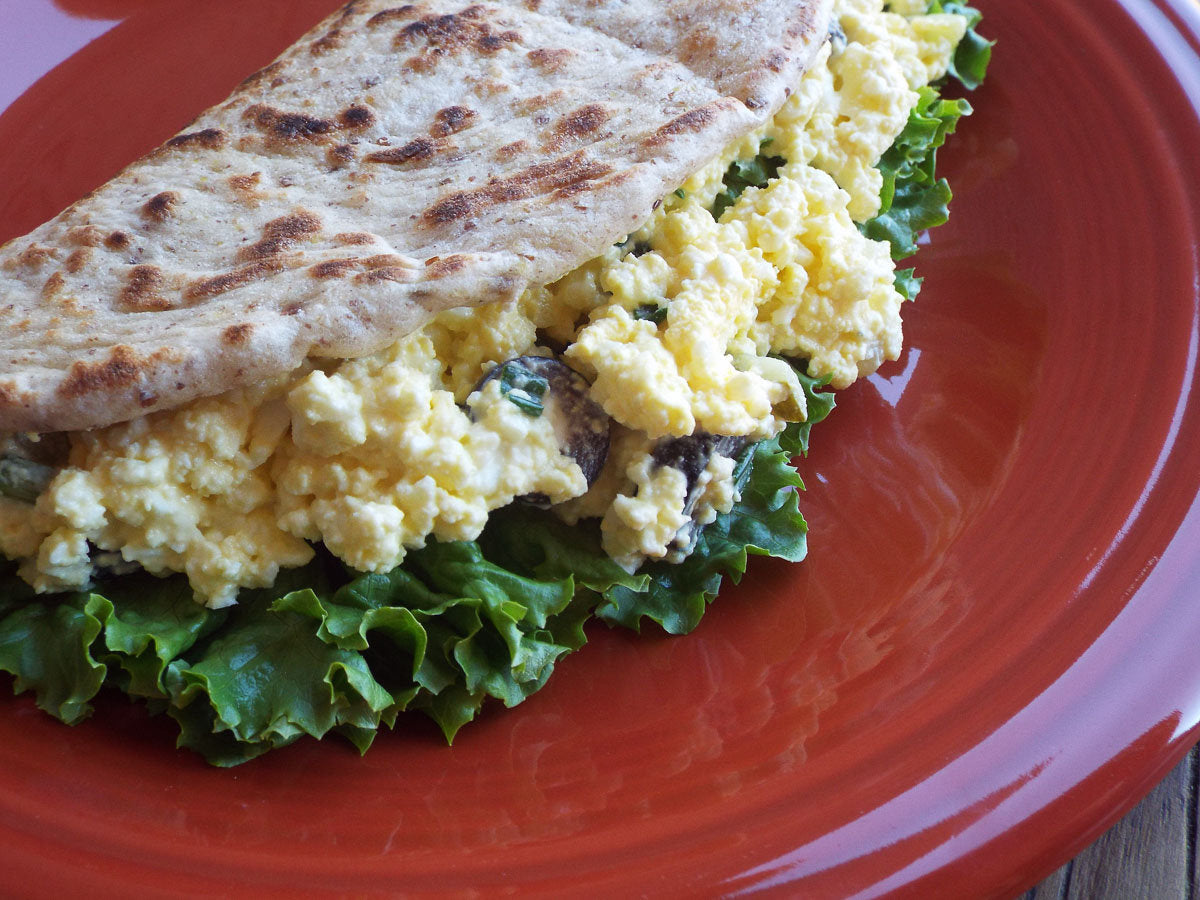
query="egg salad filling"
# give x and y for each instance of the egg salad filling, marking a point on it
(648, 394)
(680, 328)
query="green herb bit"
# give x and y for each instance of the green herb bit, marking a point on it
(651, 312)
(629, 245)
(680, 193)
(523, 388)
(974, 51)
(23, 479)
(743, 174)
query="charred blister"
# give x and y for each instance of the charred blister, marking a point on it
(691, 456)
(542, 386)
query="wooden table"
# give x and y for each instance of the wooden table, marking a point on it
(1148, 855)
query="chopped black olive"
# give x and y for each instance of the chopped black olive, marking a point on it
(581, 425)
(23, 479)
(691, 456)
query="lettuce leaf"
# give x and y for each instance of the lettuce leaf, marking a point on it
(974, 52)
(330, 650)
(746, 173)
(913, 199)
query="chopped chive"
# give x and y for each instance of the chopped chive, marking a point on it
(651, 312)
(523, 388)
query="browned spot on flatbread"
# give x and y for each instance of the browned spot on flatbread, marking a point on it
(286, 128)
(237, 334)
(245, 183)
(143, 290)
(10, 395)
(441, 267)
(339, 156)
(382, 260)
(53, 286)
(330, 40)
(159, 207)
(692, 121)
(395, 14)
(549, 60)
(451, 120)
(85, 236)
(449, 209)
(122, 368)
(490, 87)
(527, 105)
(448, 35)
(333, 268)
(207, 139)
(262, 76)
(776, 61)
(353, 238)
(77, 260)
(494, 42)
(699, 43)
(118, 240)
(402, 274)
(282, 234)
(356, 117)
(415, 151)
(564, 176)
(34, 256)
(508, 151)
(206, 288)
(342, 267)
(577, 124)
(246, 187)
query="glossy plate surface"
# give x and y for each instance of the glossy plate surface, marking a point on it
(989, 655)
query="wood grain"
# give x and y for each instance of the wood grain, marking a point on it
(1151, 853)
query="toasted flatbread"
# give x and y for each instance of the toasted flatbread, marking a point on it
(397, 161)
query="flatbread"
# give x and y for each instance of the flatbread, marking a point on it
(397, 161)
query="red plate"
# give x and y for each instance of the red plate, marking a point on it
(989, 656)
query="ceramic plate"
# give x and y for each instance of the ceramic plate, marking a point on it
(989, 655)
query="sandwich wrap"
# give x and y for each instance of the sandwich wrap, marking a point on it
(396, 161)
(706, 333)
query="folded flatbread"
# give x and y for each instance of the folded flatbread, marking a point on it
(398, 160)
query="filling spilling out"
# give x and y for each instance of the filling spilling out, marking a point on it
(433, 524)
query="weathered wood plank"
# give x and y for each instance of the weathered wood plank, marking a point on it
(1146, 854)
(1053, 888)
(1151, 853)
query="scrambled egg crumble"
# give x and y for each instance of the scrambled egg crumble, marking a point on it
(677, 329)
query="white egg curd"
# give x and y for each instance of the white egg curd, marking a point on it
(679, 331)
